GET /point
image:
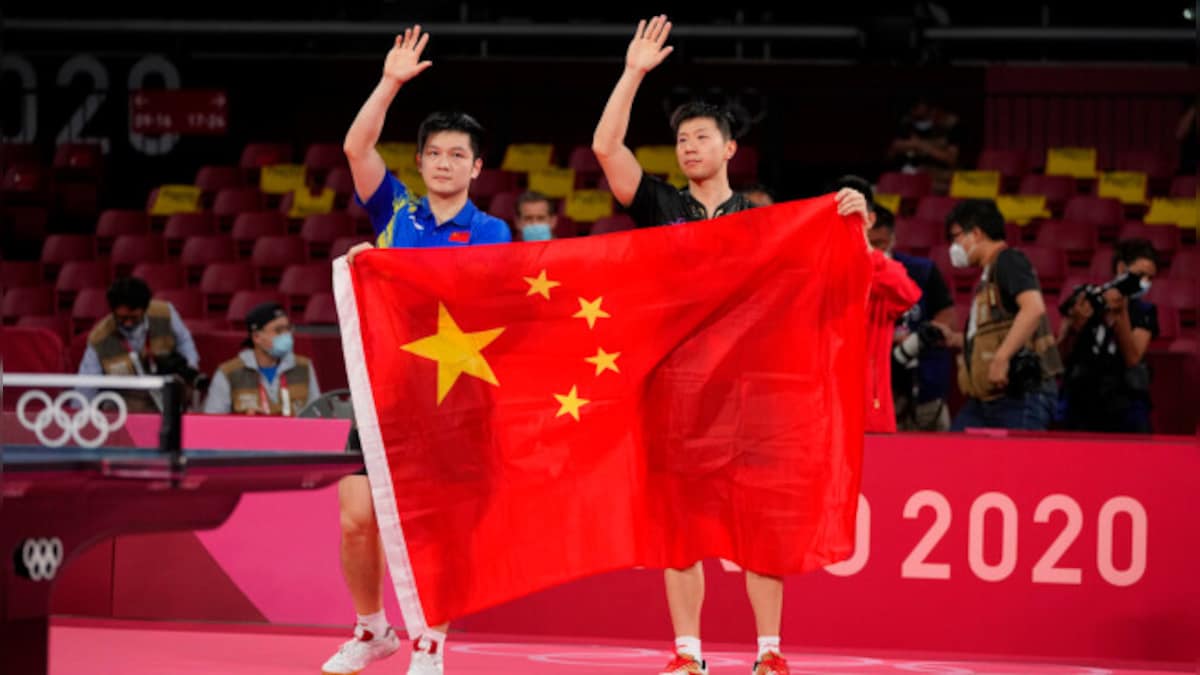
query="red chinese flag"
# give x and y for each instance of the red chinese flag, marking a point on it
(535, 413)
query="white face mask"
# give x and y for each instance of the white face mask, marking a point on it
(958, 256)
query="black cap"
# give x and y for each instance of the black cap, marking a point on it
(263, 314)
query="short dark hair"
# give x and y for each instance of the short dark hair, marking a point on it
(857, 183)
(884, 219)
(691, 110)
(1130, 250)
(129, 292)
(977, 214)
(451, 121)
(531, 197)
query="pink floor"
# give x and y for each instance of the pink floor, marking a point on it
(91, 648)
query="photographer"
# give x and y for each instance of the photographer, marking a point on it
(921, 364)
(140, 337)
(1105, 336)
(1009, 358)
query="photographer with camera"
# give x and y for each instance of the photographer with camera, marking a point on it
(1010, 358)
(140, 337)
(1105, 336)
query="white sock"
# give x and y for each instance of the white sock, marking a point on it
(767, 643)
(429, 638)
(376, 624)
(689, 645)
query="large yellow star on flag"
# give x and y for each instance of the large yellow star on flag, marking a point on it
(571, 403)
(456, 352)
(591, 311)
(604, 361)
(540, 285)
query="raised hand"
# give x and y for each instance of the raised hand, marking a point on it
(404, 60)
(646, 50)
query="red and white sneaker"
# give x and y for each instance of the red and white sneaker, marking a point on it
(771, 664)
(360, 652)
(685, 664)
(426, 657)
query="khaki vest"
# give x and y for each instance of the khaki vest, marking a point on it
(992, 323)
(243, 386)
(106, 340)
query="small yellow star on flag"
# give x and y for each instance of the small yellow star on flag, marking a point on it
(571, 403)
(540, 285)
(604, 361)
(591, 311)
(456, 352)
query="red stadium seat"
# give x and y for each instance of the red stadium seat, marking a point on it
(181, 226)
(918, 236)
(1105, 213)
(79, 159)
(20, 273)
(910, 186)
(504, 206)
(1011, 164)
(59, 324)
(62, 248)
(25, 184)
(935, 208)
(252, 226)
(221, 280)
(1168, 324)
(272, 254)
(321, 310)
(32, 350)
(1156, 164)
(116, 222)
(90, 305)
(299, 282)
(743, 167)
(1185, 187)
(18, 302)
(1077, 240)
(1050, 265)
(341, 181)
(343, 244)
(1101, 267)
(492, 182)
(586, 166)
(1056, 189)
(19, 153)
(205, 250)
(320, 231)
(78, 275)
(211, 179)
(1186, 265)
(161, 276)
(614, 223)
(244, 301)
(1181, 294)
(324, 157)
(188, 302)
(131, 249)
(258, 155)
(1165, 239)
(565, 228)
(232, 201)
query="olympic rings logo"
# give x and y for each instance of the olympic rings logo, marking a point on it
(39, 559)
(71, 422)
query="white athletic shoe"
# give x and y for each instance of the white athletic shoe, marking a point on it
(360, 652)
(426, 658)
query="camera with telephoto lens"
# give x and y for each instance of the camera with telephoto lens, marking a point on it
(926, 336)
(175, 364)
(1126, 283)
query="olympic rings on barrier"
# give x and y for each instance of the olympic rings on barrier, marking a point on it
(71, 422)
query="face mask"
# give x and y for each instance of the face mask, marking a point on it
(923, 125)
(1146, 284)
(536, 232)
(958, 256)
(281, 345)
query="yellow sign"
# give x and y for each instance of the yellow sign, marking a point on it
(678, 179)
(552, 182)
(975, 184)
(1127, 186)
(588, 206)
(657, 159)
(1182, 212)
(888, 201)
(413, 181)
(172, 199)
(1076, 162)
(1021, 209)
(525, 157)
(396, 156)
(280, 179)
(305, 203)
